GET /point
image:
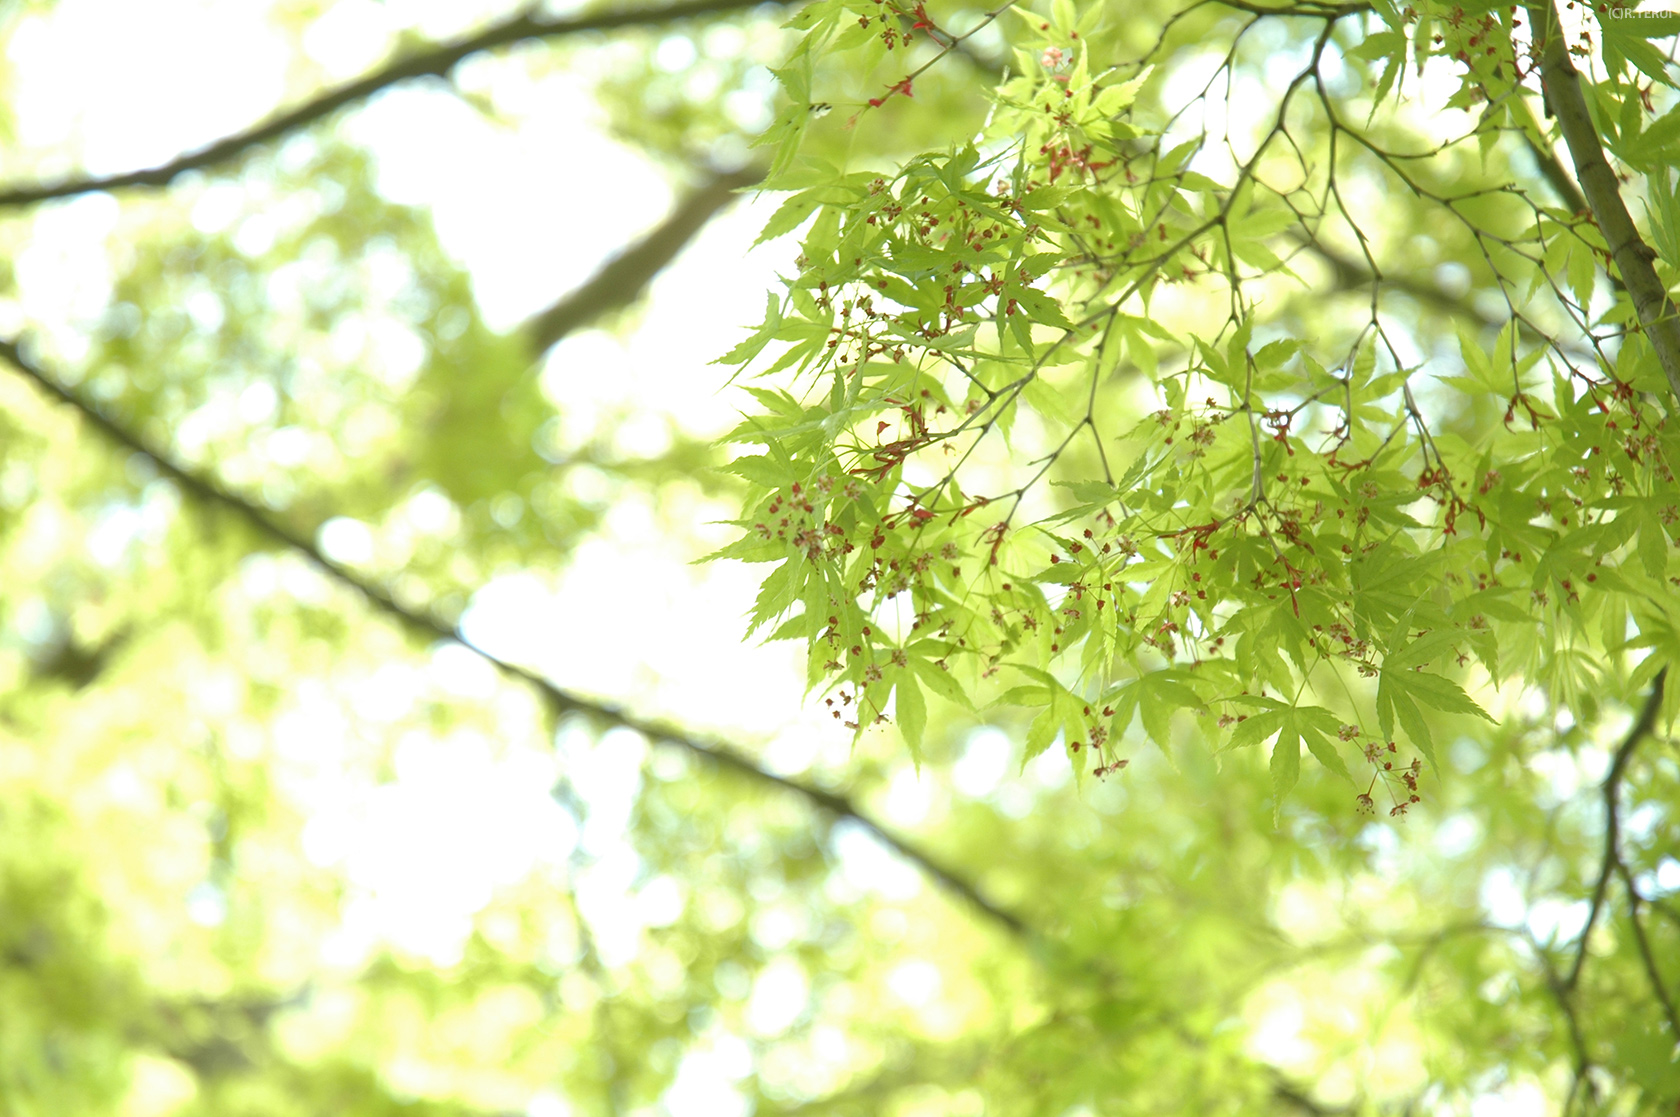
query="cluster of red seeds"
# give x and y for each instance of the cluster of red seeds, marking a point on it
(1401, 782)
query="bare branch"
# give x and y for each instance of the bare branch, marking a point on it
(622, 278)
(437, 62)
(211, 492)
(1562, 85)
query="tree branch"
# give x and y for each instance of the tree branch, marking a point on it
(437, 62)
(1349, 272)
(1653, 972)
(1551, 167)
(1612, 820)
(621, 279)
(1633, 256)
(1560, 990)
(211, 492)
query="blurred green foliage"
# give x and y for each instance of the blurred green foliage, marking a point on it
(189, 714)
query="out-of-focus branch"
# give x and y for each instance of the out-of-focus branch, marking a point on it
(1551, 167)
(1562, 85)
(1642, 728)
(1349, 272)
(215, 1037)
(209, 491)
(436, 62)
(1647, 956)
(623, 278)
(1563, 996)
(1563, 986)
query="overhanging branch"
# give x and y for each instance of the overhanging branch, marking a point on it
(1633, 257)
(210, 492)
(437, 62)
